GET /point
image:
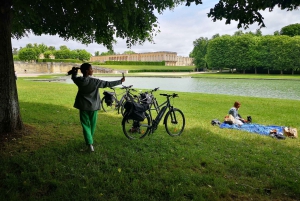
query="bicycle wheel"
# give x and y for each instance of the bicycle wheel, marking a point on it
(136, 129)
(109, 108)
(121, 108)
(174, 122)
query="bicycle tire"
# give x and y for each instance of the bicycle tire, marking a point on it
(122, 109)
(121, 106)
(174, 128)
(109, 108)
(133, 129)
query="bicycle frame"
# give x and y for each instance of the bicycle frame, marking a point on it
(164, 107)
(125, 96)
(154, 102)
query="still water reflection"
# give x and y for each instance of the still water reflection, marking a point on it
(282, 89)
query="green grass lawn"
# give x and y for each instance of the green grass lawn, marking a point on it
(50, 162)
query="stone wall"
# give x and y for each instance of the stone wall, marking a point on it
(52, 67)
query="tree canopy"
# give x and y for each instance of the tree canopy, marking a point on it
(90, 21)
(248, 52)
(248, 12)
(27, 54)
(199, 52)
(291, 30)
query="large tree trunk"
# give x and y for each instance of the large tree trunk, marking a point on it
(10, 118)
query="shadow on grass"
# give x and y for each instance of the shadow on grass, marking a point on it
(203, 164)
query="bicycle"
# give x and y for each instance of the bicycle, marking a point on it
(116, 104)
(174, 121)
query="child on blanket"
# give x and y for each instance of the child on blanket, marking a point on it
(234, 112)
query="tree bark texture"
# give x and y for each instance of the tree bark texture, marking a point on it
(10, 118)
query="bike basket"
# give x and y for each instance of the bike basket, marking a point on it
(146, 98)
(135, 111)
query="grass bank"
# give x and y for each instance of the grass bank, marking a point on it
(205, 163)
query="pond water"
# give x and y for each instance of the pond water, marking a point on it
(281, 89)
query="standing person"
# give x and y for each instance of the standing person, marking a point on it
(88, 99)
(234, 112)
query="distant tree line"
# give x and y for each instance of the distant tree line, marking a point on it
(32, 52)
(111, 52)
(250, 51)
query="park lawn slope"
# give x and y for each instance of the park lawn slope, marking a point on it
(206, 163)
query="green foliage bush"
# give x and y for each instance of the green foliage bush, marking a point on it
(96, 63)
(27, 54)
(159, 70)
(249, 51)
(16, 58)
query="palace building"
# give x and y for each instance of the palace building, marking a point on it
(170, 58)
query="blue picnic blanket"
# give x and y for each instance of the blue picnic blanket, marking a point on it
(254, 128)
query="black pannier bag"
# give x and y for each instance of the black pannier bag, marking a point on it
(108, 97)
(135, 111)
(146, 98)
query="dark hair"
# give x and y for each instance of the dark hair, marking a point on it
(236, 103)
(84, 67)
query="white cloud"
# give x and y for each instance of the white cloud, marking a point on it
(179, 28)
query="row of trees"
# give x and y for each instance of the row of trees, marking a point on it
(247, 51)
(33, 52)
(112, 52)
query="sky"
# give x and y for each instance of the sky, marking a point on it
(178, 29)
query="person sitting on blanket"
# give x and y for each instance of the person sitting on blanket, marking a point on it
(234, 112)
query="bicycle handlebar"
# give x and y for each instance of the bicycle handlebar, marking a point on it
(152, 90)
(155, 89)
(170, 95)
(127, 87)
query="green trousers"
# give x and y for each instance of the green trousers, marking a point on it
(88, 121)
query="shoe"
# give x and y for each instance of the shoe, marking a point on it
(91, 147)
(133, 130)
(280, 137)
